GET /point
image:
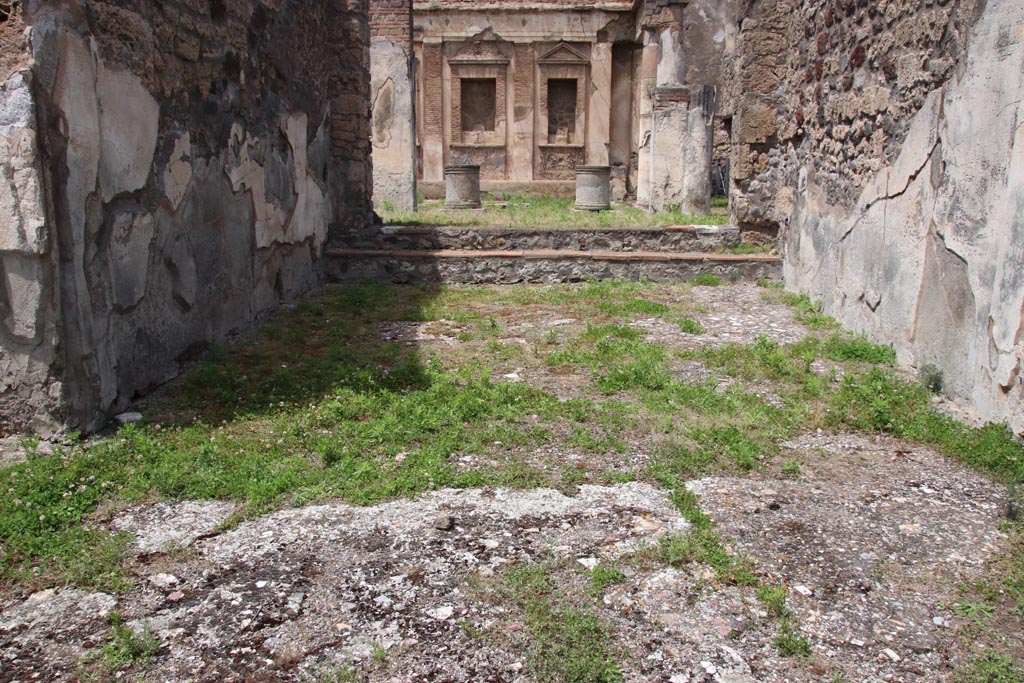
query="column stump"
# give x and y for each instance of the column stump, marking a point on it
(462, 187)
(593, 188)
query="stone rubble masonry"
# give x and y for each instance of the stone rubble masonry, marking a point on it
(887, 143)
(392, 93)
(168, 172)
(837, 81)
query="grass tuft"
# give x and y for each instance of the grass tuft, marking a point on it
(568, 644)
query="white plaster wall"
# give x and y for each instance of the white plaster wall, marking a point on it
(145, 245)
(393, 125)
(931, 260)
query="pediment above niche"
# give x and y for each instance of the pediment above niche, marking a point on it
(487, 49)
(563, 53)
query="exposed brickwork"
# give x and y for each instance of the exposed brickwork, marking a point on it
(391, 19)
(523, 77)
(433, 72)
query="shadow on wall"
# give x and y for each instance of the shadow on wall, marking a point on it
(185, 201)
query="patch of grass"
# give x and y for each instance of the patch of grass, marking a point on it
(765, 359)
(126, 647)
(807, 312)
(619, 358)
(774, 600)
(791, 469)
(706, 281)
(379, 655)
(790, 643)
(702, 545)
(344, 445)
(690, 326)
(543, 212)
(878, 400)
(991, 668)
(567, 644)
(334, 673)
(1015, 501)
(745, 248)
(633, 307)
(604, 575)
(932, 379)
(979, 612)
(856, 348)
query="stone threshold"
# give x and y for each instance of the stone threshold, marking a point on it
(553, 254)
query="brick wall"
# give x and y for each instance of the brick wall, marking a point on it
(391, 19)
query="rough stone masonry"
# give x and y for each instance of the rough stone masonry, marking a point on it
(169, 171)
(885, 140)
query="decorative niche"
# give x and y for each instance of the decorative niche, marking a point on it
(479, 84)
(563, 83)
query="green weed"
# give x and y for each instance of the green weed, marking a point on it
(774, 600)
(126, 647)
(706, 281)
(544, 212)
(790, 643)
(567, 644)
(602, 576)
(807, 312)
(690, 326)
(932, 379)
(992, 668)
(979, 612)
(791, 469)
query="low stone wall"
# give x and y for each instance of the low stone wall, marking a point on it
(682, 238)
(175, 169)
(488, 268)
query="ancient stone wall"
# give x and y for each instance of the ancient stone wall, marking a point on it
(837, 81)
(393, 104)
(178, 167)
(885, 140)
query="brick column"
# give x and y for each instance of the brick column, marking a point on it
(433, 113)
(351, 174)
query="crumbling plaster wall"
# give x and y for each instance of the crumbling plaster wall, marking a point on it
(191, 158)
(392, 98)
(892, 153)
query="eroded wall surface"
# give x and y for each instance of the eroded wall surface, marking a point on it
(195, 157)
(30, 367)
(891, 150)
(392, 99)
